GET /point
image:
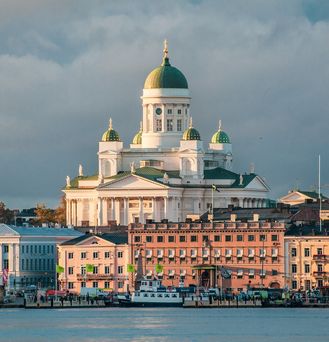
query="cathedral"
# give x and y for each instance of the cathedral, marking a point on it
(168, 172)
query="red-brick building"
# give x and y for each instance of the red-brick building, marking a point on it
(247, 253)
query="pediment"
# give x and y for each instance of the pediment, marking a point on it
(191, 150)
(132, 182)
(95, 241)
(258, 184)
(294, 197)
(5, 230)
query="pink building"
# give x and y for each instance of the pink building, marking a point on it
(94, 261)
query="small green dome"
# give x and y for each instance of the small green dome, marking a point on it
(220, 137)
(137, 138)
(165, 76)
(191, 134)
(111, 134)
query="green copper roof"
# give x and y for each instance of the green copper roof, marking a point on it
(165, 76)
(111, 134)
(191, 134)
(137, 138)
(220, 137)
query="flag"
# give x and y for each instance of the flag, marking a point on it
(158, 268)
(4, 276)
(214, 187)
(225, 273)
(89, 268)
(59, 269)
(130, 268)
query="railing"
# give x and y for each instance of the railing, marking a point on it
(320, 273)
(321, 257)
(82, 277)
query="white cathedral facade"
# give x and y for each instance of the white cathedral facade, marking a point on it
(168, 172)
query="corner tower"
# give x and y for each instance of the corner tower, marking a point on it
(166, 105)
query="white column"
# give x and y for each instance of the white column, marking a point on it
(99, 211)
(79, 212)
(141, 210)
(125, 211)
(117, 210)
(11, 257)
(153, 208)
(75, 217)
(1, 260)
(241, 202)
(105, 212)
(68, 212)
(112, 209)
(165, 207)
(17, 268)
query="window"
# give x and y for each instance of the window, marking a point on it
(179, 125)
(228, 238)
(294, 284)
(205, 238)
(307, 268)
(106, 284)
(120, 285)
(27, 249)
(70, 270)
(217, 238)
(5, 248)
(137, 238)
(158, 125)
(83, 255)
(171, 238)
(83, 284)
(23, 249)
(106, 255)
(95, 270)
(23, 264)
(239, 238)
(52, 249)
(83, 270)
(48, 249)
(274, 272)
(107, 269)
(306, 252)
(120, 254)
(160, 238)
(320, 283)
(320, 268)
(293, 268)
(179, 111)
(194, 238)
(70, 255)
(70, 285)
(274, 237)
(182, 238)
(293, 252)
(262, 237)
(44, 249)
(39, 249)
(95, 255)
(319, 251)
(251, 238)
(148, 238)
(95, 284)
(169, 111)
(120, 269)
(170, 125)
(307, 285)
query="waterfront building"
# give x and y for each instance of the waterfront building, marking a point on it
(231, 255)
(28, 255)
(168, 171)
(94, 261)
(307, 257)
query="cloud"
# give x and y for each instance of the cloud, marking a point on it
(67, 66)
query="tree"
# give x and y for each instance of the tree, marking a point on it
(6, 215)
(60, 212)
(44, 215)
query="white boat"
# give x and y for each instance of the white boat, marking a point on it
(152, 293)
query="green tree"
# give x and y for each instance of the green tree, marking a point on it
(6, 215)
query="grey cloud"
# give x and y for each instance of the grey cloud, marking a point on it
(66, 66)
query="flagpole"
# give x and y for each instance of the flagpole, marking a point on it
(320, 204)
(212, 203)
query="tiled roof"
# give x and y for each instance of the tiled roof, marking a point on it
(116, 238)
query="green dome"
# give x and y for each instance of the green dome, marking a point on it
(137, 138)
(220, 137)
(165, 76)
(111, 134)
(191, 134)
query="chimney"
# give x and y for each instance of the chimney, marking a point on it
(255, 217)
(233, 217)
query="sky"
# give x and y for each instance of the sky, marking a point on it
(67, 66)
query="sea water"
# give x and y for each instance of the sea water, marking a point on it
(165, 324)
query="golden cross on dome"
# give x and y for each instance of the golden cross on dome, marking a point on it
(219, 124)
(191, 122)
(165, 48)
(110, 123)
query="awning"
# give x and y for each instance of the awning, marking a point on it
(182, 273)
(240, 272)
(193, 253)
(171, 272)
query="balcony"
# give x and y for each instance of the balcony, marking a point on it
(320, 257)
(83, 277)
(320, 274)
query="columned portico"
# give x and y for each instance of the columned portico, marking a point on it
(141, 210)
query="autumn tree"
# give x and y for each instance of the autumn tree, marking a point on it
(44, 214)
(6, 215)
(60, 212)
